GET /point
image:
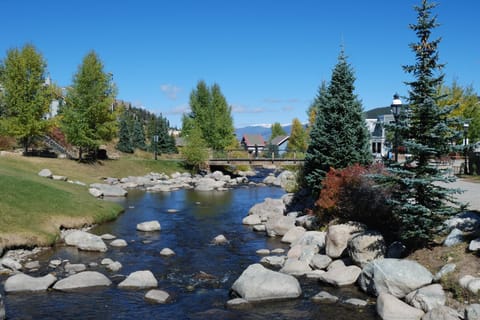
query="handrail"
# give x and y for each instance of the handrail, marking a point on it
(60, 148)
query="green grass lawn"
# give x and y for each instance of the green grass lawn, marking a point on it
(32, 208)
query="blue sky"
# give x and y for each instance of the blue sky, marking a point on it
(268, 56)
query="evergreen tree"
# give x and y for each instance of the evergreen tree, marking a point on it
(124, 142)
(420, 203)
(298, 137)
(339, 137)
(138, 135)
(25, 97)
(87, 117)
(166, 142)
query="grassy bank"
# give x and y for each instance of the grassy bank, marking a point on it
(32, 208)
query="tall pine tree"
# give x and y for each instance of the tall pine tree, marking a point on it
(138, 135)
(421, 201)
(339, 137)
(124, 141)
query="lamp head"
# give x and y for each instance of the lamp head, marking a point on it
(396, 105)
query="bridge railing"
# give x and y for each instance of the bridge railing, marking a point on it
(242, 155)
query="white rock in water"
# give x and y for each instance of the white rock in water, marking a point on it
(158, 296)
(147, 226)
(139, 280)
(167, 252)
(24, 283)
(257, 283)
(220, 239)
(118, 243)
(83, 279)
(85, 241)
(114, 266)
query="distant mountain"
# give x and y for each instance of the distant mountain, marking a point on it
(374, 113)
(262, 130)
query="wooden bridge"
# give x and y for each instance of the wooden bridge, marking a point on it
(256, 162)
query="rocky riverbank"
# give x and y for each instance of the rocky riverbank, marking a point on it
(350, 254)
(26, 274)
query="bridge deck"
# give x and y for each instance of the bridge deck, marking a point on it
(255, 162)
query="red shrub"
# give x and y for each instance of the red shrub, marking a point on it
(351, 194)
(334, 182)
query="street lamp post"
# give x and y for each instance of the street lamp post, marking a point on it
(396, 108)
(155, 142)
(465, 144)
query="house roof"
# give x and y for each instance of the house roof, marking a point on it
(279, 140)
(253, 139)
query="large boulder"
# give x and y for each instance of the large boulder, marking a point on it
(274, 261)
(118, 243)
(394, 276)
(110, 190)
(85, 279)
(296, 267)
(342, 276)
(293, 234)
(45, 173)
(252, 219)
(279, 225)
(443, 313)
(316, 238)
(472, 312)
(337, 237)
(157, 296)
(365, 247)
(75, 267)
(85, 241)
(10, 263)
(95, 192)
(148, 226)
(286, 180)
(427, 298)
(21, 282)
(267, 208)
(467, 221)
(257, 283)
(208, 184)
(320, 261)
(454, 237)
(139, 280)
(392, 308)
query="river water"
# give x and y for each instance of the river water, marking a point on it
(199, 217)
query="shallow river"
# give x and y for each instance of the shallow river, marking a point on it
(199, 218)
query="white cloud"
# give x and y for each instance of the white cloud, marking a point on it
(170, 90)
